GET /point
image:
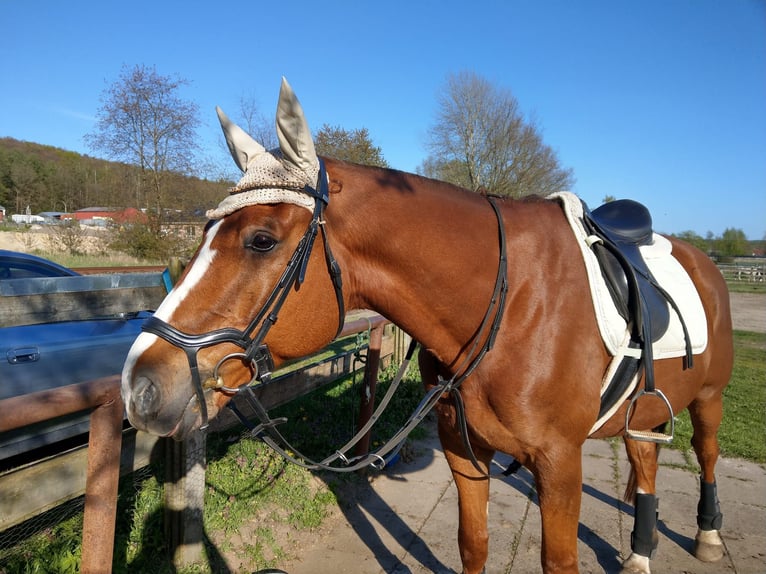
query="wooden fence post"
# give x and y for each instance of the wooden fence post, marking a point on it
(103, 477)
(184, 497)
(368, 387)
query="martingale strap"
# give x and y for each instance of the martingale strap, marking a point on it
(267, 429)
(498, 303)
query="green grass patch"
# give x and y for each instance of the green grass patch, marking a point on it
(112, 260)
(743, 429)
(745, 287)
(254, 500)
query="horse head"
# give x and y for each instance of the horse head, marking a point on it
(217, 329)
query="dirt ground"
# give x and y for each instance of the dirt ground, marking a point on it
(748, 311)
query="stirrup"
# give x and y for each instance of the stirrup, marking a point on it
(650, 436)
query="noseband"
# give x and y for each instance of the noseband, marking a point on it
(250, 340)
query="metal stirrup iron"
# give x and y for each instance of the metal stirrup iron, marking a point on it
(650, 436)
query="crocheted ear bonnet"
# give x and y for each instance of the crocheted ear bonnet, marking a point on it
(277, 176)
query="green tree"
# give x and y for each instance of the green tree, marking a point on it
(698, 241)
(28, 183)
(481, 140)
(141, 239)
(733, 242)
(355, 146)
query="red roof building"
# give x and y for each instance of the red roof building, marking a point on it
(127, 215)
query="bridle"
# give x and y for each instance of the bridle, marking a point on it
(254, 351)
(250, 340)
(267, 429)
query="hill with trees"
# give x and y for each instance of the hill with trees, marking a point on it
(47, 178)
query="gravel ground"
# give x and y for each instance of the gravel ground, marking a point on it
(748, 311)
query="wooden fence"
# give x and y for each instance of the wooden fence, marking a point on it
(111, 451)
(753, 271)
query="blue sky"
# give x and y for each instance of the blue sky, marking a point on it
(662, 101)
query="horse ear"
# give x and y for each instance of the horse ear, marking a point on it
(293, 132)
(243, 148)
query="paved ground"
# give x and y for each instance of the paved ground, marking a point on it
(405, 521)
(748, 311)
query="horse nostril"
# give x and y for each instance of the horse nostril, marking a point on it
(145, 398)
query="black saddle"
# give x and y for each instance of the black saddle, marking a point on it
(622, 226)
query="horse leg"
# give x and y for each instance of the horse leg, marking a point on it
(706, 418)
(643, 458)
(558, 478)
(473, 498)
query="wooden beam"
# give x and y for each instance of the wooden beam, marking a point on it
(50, 300)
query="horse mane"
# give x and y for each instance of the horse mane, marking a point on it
(404, 181)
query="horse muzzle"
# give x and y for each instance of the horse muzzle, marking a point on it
(149, 409)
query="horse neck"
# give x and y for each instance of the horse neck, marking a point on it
(422, 253)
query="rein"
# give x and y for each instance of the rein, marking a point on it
(250, 340)
(268, 433)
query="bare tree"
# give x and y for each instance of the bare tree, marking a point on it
(481, 140)
(256, 124)
(144, 121)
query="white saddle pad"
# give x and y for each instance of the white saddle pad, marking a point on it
(668, 273)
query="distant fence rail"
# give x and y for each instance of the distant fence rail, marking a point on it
(744, 271)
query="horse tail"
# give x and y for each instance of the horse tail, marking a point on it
(632, 487)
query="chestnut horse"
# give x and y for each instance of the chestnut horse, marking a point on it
(425, 254)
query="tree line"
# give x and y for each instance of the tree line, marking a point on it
(47, 178)
(731, 243)
(147, 132)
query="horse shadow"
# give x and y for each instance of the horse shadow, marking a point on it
(607, 556)
(373, 519)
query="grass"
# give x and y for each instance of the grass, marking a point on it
(744, 287)
(743, 430)
(111, 260)
(255, 502)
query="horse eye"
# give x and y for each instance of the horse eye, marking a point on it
(262, 242)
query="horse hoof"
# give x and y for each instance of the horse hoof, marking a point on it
(708, 546)
(636, 564)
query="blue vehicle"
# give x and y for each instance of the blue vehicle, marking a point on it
(50, 354)
(14, 265)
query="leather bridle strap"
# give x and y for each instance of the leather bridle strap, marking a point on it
(255, 352)
(267, 431)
